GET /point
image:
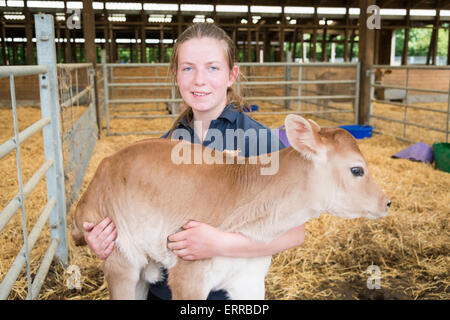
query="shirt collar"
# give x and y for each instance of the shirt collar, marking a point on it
(229, 113)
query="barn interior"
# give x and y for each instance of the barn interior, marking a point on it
(315, 58)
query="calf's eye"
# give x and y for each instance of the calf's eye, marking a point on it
(357, 171)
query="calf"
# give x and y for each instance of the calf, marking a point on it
(148, 197)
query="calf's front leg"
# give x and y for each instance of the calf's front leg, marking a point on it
(122, 277)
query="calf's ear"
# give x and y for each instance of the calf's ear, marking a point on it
(303, 136)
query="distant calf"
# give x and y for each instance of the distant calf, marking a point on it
(148, 198)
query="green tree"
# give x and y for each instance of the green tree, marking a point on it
(419, 41)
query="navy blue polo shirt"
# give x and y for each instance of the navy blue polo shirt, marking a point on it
(232, 130)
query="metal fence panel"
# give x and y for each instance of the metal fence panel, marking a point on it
(405, 122)
(80, 139)
(124, 91)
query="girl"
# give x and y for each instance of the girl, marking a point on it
(203, 66)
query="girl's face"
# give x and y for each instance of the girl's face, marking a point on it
(203, 75)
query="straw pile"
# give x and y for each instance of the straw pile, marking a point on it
(410, 245)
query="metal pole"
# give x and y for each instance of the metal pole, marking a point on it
(92, 79)
(372, 93)
(106, 94)
(45, 43)
(287, 91)
(21, 197)
(357, 84)
(405, 105)
(448, 108)
(299, 91)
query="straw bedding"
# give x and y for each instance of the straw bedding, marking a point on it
(410, 245)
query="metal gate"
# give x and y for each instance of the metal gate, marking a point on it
(52, 168)
(69, 141)
(402, 103)
(299, 85)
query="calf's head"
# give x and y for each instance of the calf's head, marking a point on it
(339, 172)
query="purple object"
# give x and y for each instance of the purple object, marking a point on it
(281, 133)
(417, 152)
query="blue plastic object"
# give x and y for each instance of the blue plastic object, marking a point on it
(359, 131)
(253, 107)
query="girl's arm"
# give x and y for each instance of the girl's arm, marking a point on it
(201, 241)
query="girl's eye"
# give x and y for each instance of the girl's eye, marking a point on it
(357, 171)
(214, 68)
(187, 69)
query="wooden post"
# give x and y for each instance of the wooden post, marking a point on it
(143, 36)
(314, 39)
(249, 35)
(377, 47)
(249, 44)
(448, 48)
(281, 43)
(161, 38)
(136, 38)
(215, 17)
(14, 52)
(324, 43)
(384, 47)
(130, 47)
(282, 34)
(75, 52)
(106, 36)
(68, 44)
(266, 44)
(29, 35)
(352, 43)
(3, 39)
(405, 43)
(432, 49)
(301, 45)
(257, 55)
(366, 58)
(347, 23)
(113, 46)
(179, 21)
(436, 35)
(90, 50)
(89, 32)
(234, 38)
(294, 40)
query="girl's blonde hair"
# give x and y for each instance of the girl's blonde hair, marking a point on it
(205, 30)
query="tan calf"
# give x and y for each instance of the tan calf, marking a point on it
(148, 198)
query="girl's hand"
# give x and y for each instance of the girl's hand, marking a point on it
(198, 241)
(100, 238)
